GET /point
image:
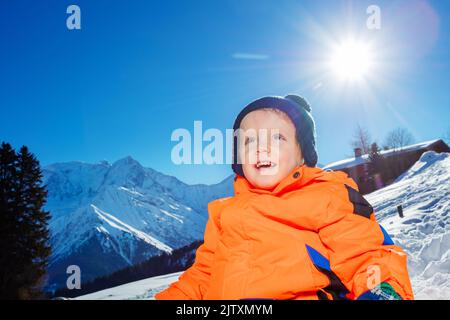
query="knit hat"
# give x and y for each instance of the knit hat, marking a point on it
(298, 110)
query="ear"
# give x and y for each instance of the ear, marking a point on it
(302, 162)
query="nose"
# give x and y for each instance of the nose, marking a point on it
(263, 149)
(263, 145)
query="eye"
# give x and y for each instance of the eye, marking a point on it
(278, 136)
(249, 140)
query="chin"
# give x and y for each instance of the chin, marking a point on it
(264, 183)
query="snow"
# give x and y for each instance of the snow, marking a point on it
(138, 290)
(352, 162)
(424, 232)
(117, 224)
(176, 217)
(133, 192)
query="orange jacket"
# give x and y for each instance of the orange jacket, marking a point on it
(313, 236)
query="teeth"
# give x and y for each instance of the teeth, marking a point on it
(263, 163)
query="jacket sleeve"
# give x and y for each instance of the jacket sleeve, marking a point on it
(361, 252)
(193, 283)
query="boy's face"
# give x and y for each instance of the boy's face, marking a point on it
(268, 150)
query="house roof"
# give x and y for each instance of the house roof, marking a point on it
(352, 162)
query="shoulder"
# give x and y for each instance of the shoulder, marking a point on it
(216, 207)
(338, 178)
(340, 187)
(331, 184)
(343, 193)
(218, 204)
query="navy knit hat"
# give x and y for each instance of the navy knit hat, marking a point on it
(299, 111)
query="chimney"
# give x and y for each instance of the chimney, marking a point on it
(358, 152)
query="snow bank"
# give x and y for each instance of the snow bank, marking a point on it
(138, 290)
(424, 232)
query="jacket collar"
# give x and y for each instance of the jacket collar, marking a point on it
(297, 178)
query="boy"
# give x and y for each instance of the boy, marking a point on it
(292, 230)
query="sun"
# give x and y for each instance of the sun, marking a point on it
(351, 60)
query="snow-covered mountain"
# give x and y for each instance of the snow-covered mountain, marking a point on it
(109, 216)
(423, 232)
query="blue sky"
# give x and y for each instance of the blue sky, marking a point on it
(137, 70)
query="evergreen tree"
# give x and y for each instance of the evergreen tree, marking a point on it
(25, 237)
(378, 165)
(376, 159)
(8, 219)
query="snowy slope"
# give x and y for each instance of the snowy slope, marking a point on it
(138, 290)
(109, 216)
(424, 232)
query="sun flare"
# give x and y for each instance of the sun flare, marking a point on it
(351, 60)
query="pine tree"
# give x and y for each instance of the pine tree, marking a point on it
(377, 161)
(8, 219)
(27, 236)
(375, 158)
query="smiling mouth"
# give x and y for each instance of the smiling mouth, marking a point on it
(264, 164)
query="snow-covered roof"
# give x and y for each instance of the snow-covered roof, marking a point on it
(352, 162)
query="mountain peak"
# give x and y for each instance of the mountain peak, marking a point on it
(104, 162)
(126, 171)
(128, 160)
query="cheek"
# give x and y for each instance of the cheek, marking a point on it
(247, 158)
(288, 154)
(250, 173)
